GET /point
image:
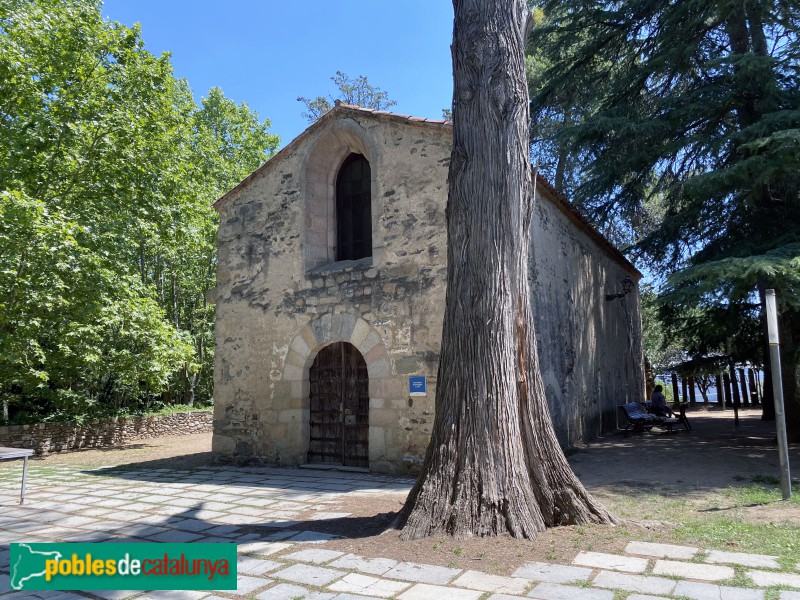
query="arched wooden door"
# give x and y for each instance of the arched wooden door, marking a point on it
(339, 407)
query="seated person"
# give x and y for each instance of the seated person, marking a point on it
(658, 403)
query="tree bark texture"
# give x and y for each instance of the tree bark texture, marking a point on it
(493, 464)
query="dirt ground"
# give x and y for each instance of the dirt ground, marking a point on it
(645, 479)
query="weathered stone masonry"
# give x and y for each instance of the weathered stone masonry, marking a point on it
(103, 433)
(281, 296)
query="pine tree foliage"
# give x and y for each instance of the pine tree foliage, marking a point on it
(695, 119)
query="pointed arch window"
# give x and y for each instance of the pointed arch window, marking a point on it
(354, 209)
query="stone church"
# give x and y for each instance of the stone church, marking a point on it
(330, 300)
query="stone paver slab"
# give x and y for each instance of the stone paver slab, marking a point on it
(601, 560)
(364, 584)
(246, 585)
(285, 591)
(787, 595)
(175, 536)
(422, 573)
(709, 591)
(262, 548)
(423, 591)
(75, 521)
(305, 536)
(279, 535)
(644, 597)
(309, 574)
(373, 566)
(323, 516)
(256, 566)
(538, 571)
(693, 570)
(475, 580)
(313, 556)
(114, 594)
(222, 530)
(642, 584)
(173, 595)
(192, 525)
(661, 550)
(742, 558)
(766, 579)
(557, 591)
(502, 597)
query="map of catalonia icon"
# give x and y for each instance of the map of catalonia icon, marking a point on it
(123, 566)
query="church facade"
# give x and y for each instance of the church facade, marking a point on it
(330, 298)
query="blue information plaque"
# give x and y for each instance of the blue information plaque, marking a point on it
(417, 385)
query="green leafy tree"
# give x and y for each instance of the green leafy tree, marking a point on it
(107, 172)
(358, 92)
(697, 110)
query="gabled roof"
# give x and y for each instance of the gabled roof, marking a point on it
(341, 109)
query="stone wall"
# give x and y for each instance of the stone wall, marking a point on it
(590, 349)
(281, 297)
(105, 433)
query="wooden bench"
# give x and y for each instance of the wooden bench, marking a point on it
(636, 418)
(683, 419)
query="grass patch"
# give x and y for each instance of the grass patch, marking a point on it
(765, 489)
(724, 533)
(772, 594)
(739, 580)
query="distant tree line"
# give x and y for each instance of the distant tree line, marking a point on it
(108, 168)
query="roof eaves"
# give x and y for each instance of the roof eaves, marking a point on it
(574, 215)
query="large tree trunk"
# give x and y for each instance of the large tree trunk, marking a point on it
(493, 464)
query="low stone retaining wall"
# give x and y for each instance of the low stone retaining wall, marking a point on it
(56, 437)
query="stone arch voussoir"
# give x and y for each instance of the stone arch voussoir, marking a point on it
(318, 170)
(327, 329)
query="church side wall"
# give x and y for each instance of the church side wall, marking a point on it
(590, 349)
(275, 311)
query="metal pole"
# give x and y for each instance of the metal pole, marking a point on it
(24, 477)
(777, 392)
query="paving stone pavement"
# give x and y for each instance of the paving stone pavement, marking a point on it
(281, 560)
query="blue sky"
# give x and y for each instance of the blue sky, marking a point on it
(267, 53)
